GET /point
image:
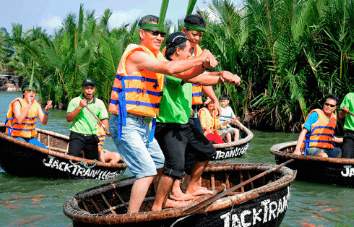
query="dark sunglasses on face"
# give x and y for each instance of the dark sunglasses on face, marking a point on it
(156, 33)
(327, 104)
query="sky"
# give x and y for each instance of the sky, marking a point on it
(49, 14)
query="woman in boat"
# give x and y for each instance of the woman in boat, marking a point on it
(210, 124)
(319, 132)
(23, 113)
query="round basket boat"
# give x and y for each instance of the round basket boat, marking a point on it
(27, 160)
(234, 149)
(263, 202)
(334, 171)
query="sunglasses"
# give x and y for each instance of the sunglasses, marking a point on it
(156, 33)
(327, 104)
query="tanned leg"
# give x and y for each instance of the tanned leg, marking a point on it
(237, 134)
(177, 193)
(138, 193)
(197, 171)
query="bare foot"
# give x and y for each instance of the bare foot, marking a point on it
(181, 196)
(171, 203)
(200, 191)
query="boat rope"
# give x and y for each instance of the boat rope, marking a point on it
(180, 219)
(84, 164)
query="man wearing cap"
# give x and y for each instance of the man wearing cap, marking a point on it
(84, 125)
(23, 113)
(175, 133)
(135, 100)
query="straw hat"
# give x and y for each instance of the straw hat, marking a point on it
(207, 101)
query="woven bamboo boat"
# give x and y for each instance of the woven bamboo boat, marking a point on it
(263, 202)
(26, 160)
(234, 149)
(334, 171)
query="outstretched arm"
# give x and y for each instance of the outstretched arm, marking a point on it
(213, 78)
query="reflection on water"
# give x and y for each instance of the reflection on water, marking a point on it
(38, 202)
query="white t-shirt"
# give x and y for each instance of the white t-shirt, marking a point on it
(227, 113)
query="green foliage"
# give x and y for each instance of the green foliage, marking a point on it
(289, 54)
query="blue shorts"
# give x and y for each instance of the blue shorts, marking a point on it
(32, 140)
(141, 156)
(332, 153)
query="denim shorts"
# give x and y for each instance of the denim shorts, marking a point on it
(141, 156)
(332, 153)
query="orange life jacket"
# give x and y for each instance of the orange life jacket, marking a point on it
(101, 134)
(139, 93)
(27, 128)
(322, 132)
(197, 93)
(211, 122)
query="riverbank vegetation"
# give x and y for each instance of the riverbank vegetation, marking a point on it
(289, 54)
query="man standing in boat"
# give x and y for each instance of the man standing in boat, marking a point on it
(23, 113)
(319, 132)
(347, 109)
(175, 133)
(84, 125)
(135, 100)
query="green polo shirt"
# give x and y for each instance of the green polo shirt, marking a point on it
(176, 101)
(349, 103)
(85, 123)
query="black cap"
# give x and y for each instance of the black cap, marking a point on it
(88, 82)
(175, 39)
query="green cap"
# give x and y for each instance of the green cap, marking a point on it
(194, 27)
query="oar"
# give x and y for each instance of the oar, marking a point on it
(99, 121)
(210, 200)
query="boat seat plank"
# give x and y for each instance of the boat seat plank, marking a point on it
(95, 205)
(249, 176)
(107, 203)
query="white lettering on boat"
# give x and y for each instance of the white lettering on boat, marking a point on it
(270, 210)
(235, 152)
(77, 170)
(349, 171)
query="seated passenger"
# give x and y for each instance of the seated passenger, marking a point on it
(319, 132)
(103, 154)
(227, 114)
(23, 113)
(209, 122)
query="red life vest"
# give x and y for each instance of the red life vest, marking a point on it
(27, 128)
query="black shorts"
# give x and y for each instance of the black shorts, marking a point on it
(348, 144)
(177, 141)
(87, 143)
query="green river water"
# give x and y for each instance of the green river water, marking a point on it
(39, 202)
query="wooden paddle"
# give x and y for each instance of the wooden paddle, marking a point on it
(99, 121)
(210, 200)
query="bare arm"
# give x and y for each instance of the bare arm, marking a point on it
(139, 60)
(211, 94)
(213, 78)
(44, 117)
(343, 112)
(105, 122)
(73, 114)
(300, 140)
(20, 117)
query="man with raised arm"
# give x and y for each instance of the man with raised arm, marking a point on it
(175, 133)
(84, 125)
(23, 113)
(135, 100)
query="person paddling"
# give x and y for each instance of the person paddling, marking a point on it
(23, 113)
(84, 125)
